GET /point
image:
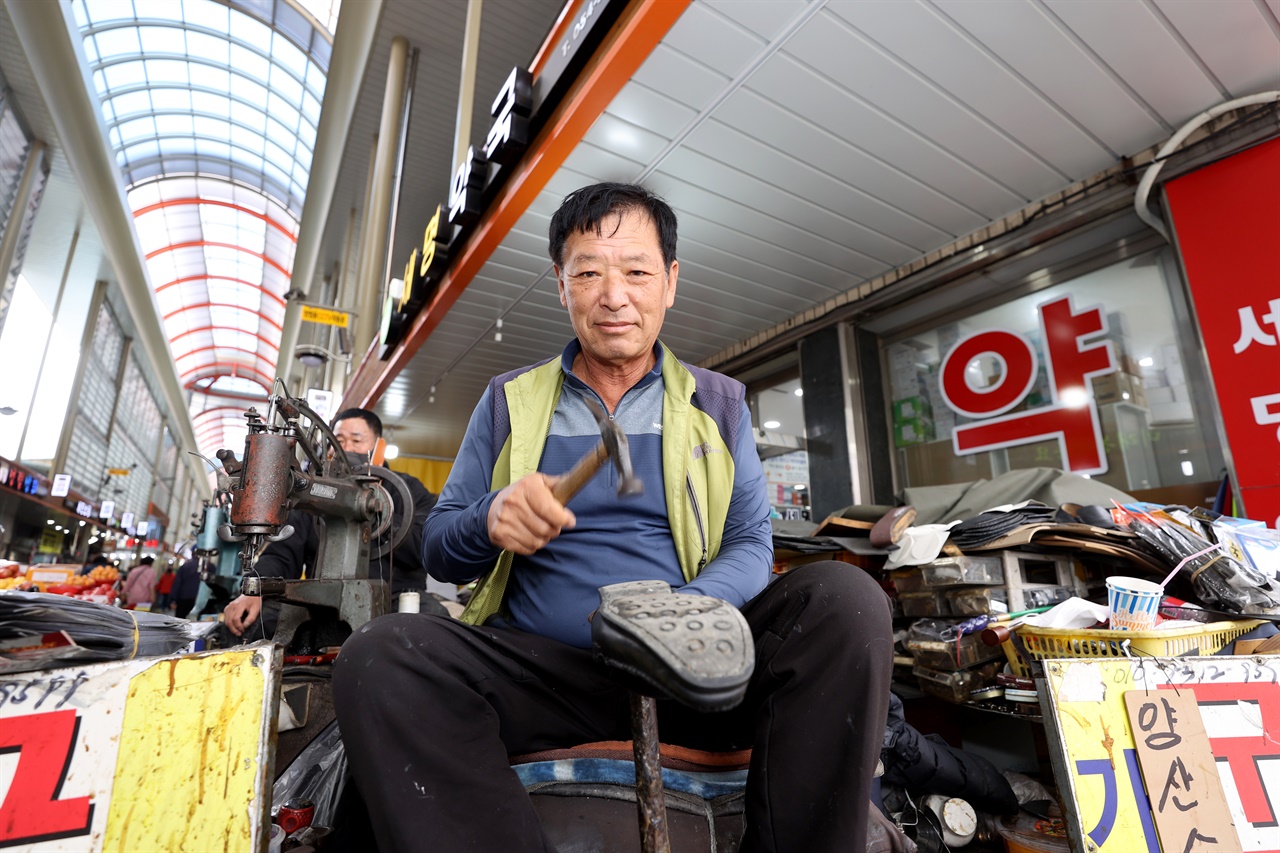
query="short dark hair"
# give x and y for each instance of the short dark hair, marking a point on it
(585, 209)
(374, 422)
(147, 560)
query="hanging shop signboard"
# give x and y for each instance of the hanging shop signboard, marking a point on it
(475, 181)
(1095, 706)
(1075, 355)
(325, 316)
(517, 110)
(1226, 217)
(61, 486)
(162, 753)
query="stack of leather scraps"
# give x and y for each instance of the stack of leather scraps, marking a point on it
(1070, 527)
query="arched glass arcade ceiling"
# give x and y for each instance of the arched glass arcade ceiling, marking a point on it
(211, 109)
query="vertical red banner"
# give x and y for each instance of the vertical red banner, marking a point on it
(1227, 219)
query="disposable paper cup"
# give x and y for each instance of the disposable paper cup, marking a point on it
(1133, 603)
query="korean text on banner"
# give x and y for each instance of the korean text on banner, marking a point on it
(1227, 219)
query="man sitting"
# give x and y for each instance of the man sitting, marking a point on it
(517, 675)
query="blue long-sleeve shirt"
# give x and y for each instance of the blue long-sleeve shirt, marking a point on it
(553, 591)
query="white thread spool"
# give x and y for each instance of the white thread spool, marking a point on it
(409, 602)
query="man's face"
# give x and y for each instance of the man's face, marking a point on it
(616, 288)
(355, 436)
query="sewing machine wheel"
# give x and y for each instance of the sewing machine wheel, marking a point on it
(386, 536)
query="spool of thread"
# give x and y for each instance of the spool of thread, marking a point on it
(409, 602)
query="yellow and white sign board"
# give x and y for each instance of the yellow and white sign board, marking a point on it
(325, 316)
(1109, 808)
(169, 753)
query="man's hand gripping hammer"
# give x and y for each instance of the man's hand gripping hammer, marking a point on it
(613, 446)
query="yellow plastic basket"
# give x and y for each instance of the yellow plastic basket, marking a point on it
(1045, 643)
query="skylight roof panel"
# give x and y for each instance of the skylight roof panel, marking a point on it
(171, 99)
(208, 47)
(144, 195)
(251, 31)
(206, 13)
(286, 85)
(306, 136)
(250, 92)
(123, 74)
(247, 139)
(173, 147)
(106, 11)
(249, 117)
(142, 151)
(286, 54)
(156, 10)
(211, 104)
(212, 128)
(249, 62)
(162, 40)
(175, 124)
(136, 129)
(311, 108)
(117, 42)
(316, 80)
(129, 104)
(172, 71)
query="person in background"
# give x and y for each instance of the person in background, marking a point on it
(139, 587)
(164, 589)
(357, 431)
(186, 588)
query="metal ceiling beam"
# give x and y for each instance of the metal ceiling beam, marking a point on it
(59, 72)
(352, 43)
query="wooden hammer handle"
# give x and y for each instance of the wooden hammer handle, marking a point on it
(576, 477)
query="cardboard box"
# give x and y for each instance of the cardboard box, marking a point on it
(1119, 388)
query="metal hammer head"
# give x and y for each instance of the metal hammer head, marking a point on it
(616, 448)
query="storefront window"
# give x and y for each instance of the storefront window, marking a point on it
(779, 421)
(985, 394)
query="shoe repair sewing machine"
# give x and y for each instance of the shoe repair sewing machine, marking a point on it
(354, 507)
(292, 460)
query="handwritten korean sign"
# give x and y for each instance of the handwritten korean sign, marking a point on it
(1188, 806)
(1097, 764)
(1227, 216)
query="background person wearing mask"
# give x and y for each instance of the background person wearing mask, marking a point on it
(357, 431)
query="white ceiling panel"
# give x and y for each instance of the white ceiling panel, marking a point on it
(712, 39)
(822, 101)
(1128, 37)
(761, 228)
(765, 18)
(1037, 46)
(682, 79)
(931, 45)
(739, 150)
(625, 139)
(769, 124)
(791, 204)
(594, 163)
(1238, 42)
(641, 106)
(840, 53)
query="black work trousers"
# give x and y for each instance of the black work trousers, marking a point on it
(430, 708)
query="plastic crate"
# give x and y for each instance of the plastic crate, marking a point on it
(1045, 643)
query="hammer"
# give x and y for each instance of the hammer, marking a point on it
(613, 445)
